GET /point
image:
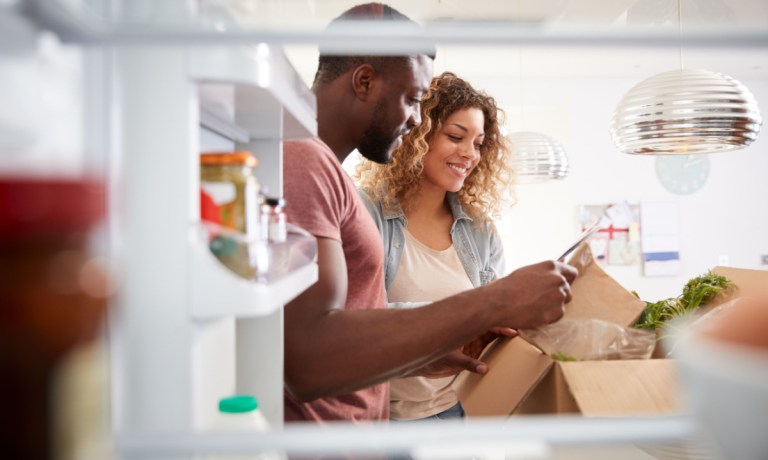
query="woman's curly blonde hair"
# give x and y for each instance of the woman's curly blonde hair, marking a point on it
(484, 190)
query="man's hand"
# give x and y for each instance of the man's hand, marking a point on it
(532, 296)
(464, 359)
(474, 348)
(450, 365)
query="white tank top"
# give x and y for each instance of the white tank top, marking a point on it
(425, 274)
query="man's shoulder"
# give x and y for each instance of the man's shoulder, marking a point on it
(309, 154)
(306, 146)
(311, 161)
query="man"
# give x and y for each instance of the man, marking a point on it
(342, 344)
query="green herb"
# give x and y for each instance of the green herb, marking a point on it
(697, 292)
(560, 356)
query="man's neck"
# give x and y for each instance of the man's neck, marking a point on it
(339, 150)
(331, 126)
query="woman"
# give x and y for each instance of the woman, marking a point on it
(432, 205)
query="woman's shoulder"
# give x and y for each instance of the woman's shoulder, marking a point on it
(367, 196)
(369, 200)
(383, 207)
(377, 198)
(482, 225)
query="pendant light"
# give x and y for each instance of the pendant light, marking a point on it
(537, 157)
(686, 111)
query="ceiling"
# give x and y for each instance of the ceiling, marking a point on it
(557, 60)
(503, 39)
(551, 12)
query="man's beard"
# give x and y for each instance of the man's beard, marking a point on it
(377, 145)
(378, 148)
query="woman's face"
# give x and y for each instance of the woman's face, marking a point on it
(454, 150)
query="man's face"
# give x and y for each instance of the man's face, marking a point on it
(397, 110)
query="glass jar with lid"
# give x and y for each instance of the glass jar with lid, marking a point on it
(230, 198)
(228, 179)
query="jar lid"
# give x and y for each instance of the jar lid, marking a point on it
(42, 207)
(238, 404)
(236, 158)
(275, 202)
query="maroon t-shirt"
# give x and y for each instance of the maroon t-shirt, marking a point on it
(323, 200)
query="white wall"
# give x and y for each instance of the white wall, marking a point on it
(727, 217)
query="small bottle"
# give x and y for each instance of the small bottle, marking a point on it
(273, 220)
(278, 231)
(241, 413)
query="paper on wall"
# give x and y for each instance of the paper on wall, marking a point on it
(660, 222)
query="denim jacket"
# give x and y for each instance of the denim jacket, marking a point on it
(479, 249)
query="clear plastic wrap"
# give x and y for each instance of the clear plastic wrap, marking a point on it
(584, 339)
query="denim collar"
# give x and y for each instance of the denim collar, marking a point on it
(393, 210)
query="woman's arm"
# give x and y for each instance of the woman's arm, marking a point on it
(497, 260)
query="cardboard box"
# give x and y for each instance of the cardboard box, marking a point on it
(747, 282)
(524, 380)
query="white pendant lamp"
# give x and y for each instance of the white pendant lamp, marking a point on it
(686, 112)
(537, 157)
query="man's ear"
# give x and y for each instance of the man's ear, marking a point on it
(362, 80)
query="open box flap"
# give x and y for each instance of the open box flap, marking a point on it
(597, 295)
(515, 368)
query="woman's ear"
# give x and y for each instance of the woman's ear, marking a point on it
(362, 80)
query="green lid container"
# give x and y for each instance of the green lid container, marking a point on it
(238, 404)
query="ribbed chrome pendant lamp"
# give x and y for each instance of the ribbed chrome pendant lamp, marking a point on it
(537, 157)
(686, 111)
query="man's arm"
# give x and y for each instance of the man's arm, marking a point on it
(331, 351)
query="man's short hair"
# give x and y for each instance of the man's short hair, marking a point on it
(331, 66)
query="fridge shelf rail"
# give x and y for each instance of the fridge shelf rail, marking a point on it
(287, 269)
